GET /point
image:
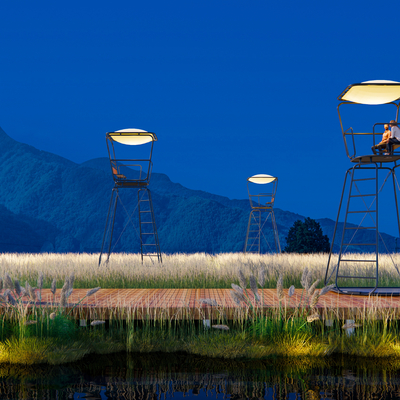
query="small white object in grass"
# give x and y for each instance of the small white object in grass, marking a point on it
(206, 323)
(97, 322)
(223, 327)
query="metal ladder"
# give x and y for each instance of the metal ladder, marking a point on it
(149, 244)
(253, 235)
(369, 198)
(255, 231)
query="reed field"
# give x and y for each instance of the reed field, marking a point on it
(36, 331)
(197, 270)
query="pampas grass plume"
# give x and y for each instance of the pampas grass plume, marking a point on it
(18, 288)
(279, 288)
(237, 289)
(242, 279)
(313, 317)
(253, 287)
(261, 277)
(313, 287)
(326, 289)
(314, 299)
(209, 302)
(40, 281)
(93, 291)
(63, 299)
(8, 283)
(303, 279)
(53, 287)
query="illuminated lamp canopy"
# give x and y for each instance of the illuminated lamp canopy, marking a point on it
(132, 136)
(372, 92)
(261, 178)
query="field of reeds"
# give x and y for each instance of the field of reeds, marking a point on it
(198, 270)
(35, 331)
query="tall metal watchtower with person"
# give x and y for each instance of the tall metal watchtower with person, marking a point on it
(262, 212)
(372, 150)
(132, 174)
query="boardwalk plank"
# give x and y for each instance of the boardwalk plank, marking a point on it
(176, 302)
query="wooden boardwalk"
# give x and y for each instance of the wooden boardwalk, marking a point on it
(187, 303)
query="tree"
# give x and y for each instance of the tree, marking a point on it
(306, 237)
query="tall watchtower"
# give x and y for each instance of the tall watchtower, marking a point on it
(356, 266)
(262, 212)
(132, 174)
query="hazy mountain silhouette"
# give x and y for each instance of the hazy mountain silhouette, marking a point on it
(49, 203)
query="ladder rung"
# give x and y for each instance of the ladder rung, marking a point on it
(149, 244)
(355, 212)
(362, 195)
(359, 244)
(145, 211)
(356, 277)
(364, 179)
(358, 260)
(361, 227)
(145, 233)
(145, 222)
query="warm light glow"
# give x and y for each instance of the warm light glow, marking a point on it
(373, 92)
(261, 178)
(132, 136)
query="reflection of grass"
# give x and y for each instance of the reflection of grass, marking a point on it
(157, 375)
(179, 270)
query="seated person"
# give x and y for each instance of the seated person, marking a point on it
(382, 146)
(394, 137)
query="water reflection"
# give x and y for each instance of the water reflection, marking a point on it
(165, 376)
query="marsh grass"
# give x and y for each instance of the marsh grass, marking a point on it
(33, 331)
(198, 270)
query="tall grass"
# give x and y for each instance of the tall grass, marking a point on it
(198, 270)
(32, 331)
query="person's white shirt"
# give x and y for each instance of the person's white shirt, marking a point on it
(395, 132)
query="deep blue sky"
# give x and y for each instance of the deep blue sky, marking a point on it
(231, 88)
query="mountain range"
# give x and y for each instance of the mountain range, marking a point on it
(51, 204)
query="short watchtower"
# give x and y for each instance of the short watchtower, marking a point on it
(262, 213)
(132, 174)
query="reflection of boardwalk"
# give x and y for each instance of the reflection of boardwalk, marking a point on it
(186, 303)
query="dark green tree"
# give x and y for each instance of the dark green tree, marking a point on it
(306, 237)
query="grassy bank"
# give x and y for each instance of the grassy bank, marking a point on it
(33, 331)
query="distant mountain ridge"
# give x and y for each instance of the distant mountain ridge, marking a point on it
(49, 203)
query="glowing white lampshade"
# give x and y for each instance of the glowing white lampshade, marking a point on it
(372, 92)
(261, 178)
(132, 136)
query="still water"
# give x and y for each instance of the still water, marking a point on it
(166, 376)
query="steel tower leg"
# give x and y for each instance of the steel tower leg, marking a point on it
(336, 225)
(109, 224)
(275, 229)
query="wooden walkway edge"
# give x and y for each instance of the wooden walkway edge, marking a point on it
(188, 304)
